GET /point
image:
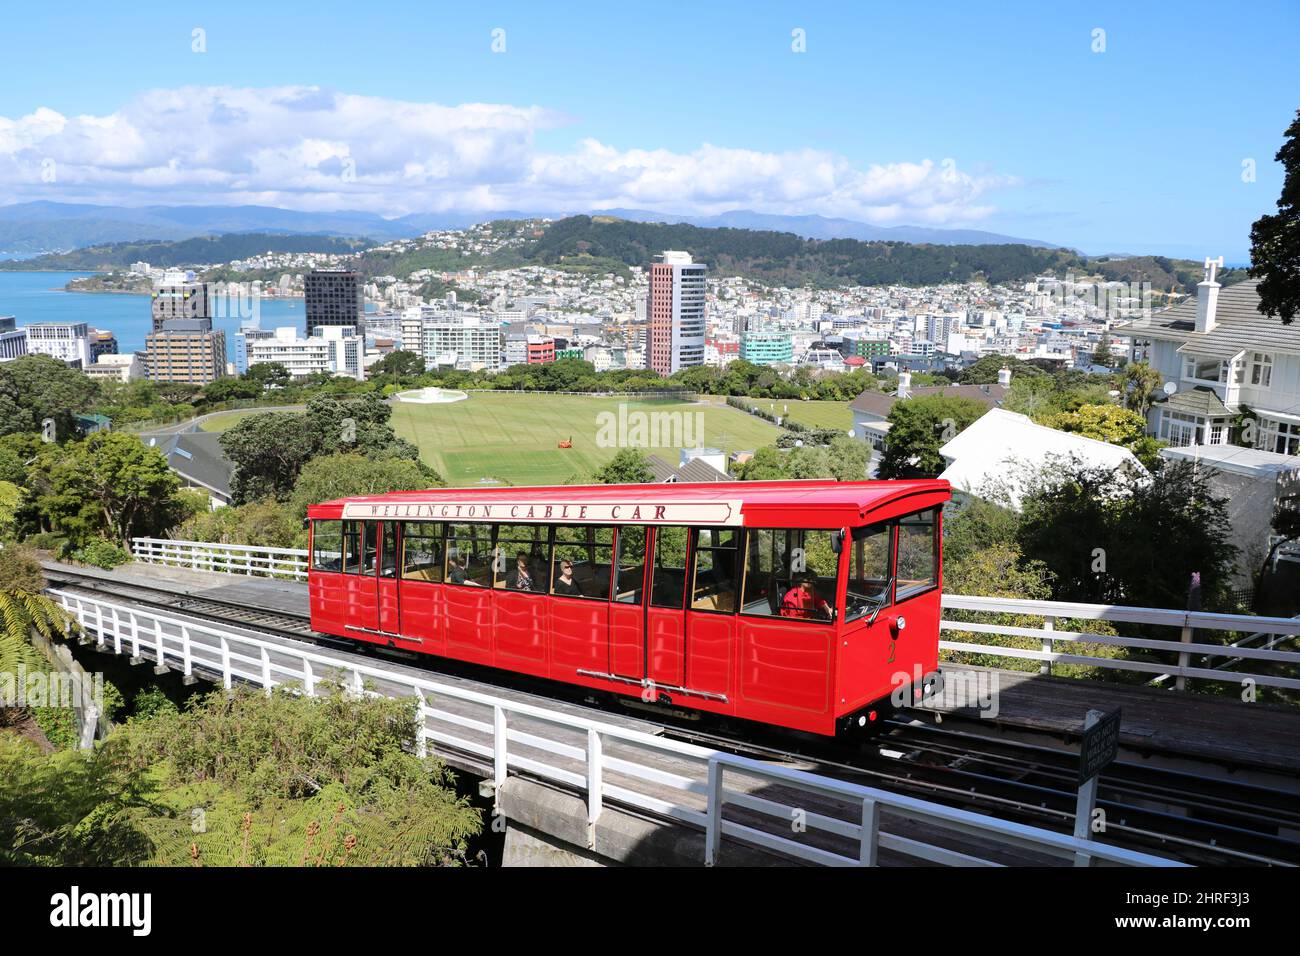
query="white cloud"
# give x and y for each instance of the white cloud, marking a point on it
(314, 148)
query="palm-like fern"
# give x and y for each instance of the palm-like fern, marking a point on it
(24, 608)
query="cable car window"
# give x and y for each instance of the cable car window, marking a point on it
(369, 547)
(520, 557)
(631, 564)
(581, 562)
(388, 553)
(792, 573)
(716, 566)
(327, 546)
(469, 555)
(422, 551)
(918, 554)
(668, 588)
(352, 535)
(870, 559)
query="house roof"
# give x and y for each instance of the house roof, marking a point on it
(695, 470)
(1003, 446)
(878, 403)
(1238, 325)
(1200, 400)
(1254, 462)
(197, 457)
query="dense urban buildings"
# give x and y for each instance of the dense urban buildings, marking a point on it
(333, 297)
(66, 341)
(336, 350)
(13, 340)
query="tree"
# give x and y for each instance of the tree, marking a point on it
(985, 371)
(110, 485)
(268, 375)
(1139, 384)
(230, 389)
(627, 467)
(343, 476)
(1112, 424)
(1275, 239)
(1112, 537)
(918, 428)
(37, 387)
(399, 363)
(766, 464)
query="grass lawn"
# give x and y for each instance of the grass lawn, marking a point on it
(812, 414)
(514, 438)
(224, 420)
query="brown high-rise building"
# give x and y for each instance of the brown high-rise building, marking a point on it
(181, 300)
(186, 350)
(675, 314)
(334, 297)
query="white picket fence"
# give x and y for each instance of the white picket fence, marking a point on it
(583, 754)
(224, 558)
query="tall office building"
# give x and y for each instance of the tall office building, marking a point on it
(334, 297)
(186, 350)
(180, 300)
(675, 313)
(66, 341)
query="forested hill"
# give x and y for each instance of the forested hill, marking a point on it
(782, 258)
(200, 250)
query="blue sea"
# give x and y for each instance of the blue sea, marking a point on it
(34, 297)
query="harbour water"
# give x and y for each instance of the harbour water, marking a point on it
(35, 297)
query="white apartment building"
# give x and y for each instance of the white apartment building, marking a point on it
(116, 368)
(335, 349)
(66, 341)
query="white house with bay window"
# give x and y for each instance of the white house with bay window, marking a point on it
(1231, 397)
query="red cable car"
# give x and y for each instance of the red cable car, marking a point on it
(803, 604)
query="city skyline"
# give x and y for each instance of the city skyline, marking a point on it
(1017, 121)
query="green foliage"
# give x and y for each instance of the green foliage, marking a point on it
(1275, 239)
(269, 523)
(37, 387)
(919, 427)
(627, 467)
(400, 364)
(1115, 538)
(10, 498)
(187, 252)
(111, 484)
(237, 780)
(1110, 423)
(101, 553)
(985, 370)
(269, 450)
(348, 475)
(151, 701)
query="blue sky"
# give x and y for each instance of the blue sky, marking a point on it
(992, 116)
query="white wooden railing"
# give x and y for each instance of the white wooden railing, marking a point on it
(1185, 623)
(593, 752)
(225, 558)
(292, 562)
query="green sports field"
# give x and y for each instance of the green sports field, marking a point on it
(513, 438)
(812, 414)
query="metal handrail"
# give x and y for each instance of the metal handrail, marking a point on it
(173, 640)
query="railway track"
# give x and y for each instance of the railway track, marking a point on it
(1197, 818)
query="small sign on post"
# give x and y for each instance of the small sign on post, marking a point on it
(1098, 748)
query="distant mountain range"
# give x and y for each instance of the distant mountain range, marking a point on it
(32, 228)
